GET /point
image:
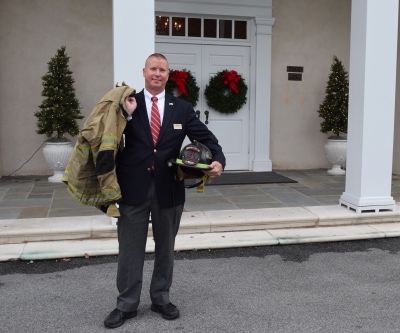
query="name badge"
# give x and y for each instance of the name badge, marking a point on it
(177, 126)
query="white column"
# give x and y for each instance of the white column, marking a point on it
(134, 38)
(262, 133)
(372, 83)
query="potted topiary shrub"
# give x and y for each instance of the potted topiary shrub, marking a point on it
(58, 114)
(334, 111)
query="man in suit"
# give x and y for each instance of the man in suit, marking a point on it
(149, 186)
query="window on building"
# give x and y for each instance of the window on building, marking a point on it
(178, 26)
(225, 29)
(194, 27)
(200, 27)
(210, 28)
(162, 25)
(240, 30)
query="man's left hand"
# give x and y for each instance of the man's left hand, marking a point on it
(215, 171)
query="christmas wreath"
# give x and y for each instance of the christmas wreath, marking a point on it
(183, 85)
(226, 92)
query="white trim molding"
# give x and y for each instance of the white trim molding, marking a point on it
(262, 130)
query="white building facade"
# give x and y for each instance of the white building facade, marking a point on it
(278, 128)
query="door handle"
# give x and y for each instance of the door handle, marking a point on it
(198, 114)
(206, 113)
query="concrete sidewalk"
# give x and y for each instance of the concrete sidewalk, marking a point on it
(36, 239)
(39, 220)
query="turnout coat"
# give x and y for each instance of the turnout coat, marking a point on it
(90, 172)
(134, 162)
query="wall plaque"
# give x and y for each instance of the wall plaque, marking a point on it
(295, 69)
(295, 76)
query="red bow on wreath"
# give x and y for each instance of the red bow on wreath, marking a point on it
(179, 77)
(231, 78)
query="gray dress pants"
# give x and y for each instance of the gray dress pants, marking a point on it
(132, 235)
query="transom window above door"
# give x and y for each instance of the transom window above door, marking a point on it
(178, 26)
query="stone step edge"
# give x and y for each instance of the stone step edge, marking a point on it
(98, 226)
(206, 241)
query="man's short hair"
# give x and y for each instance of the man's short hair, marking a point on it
(158, 56)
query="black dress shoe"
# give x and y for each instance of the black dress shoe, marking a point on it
(168, 311)
(117, 318)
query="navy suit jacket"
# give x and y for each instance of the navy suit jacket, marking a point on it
(135, 161)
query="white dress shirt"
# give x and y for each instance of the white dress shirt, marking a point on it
(160, 104)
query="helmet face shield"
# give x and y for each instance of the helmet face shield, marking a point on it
(191, 155)
(195, 156)
(192, 159)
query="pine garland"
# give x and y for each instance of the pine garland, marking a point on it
(226, 92)
(183, 85)
(59, 111)
(334, 108)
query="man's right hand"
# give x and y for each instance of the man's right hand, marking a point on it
(130, 105)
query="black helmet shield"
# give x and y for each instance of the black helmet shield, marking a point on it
(195, 155)
(194, 158)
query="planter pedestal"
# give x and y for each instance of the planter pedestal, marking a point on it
(336, 151)
(57, 155)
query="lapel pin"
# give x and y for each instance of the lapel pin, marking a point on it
(171, 103)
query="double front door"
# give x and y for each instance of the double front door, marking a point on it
(204, 61)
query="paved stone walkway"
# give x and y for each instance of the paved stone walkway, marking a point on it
(35, 197)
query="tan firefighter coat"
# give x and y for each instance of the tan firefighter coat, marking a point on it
(90, 172)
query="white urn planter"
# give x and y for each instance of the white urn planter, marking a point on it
(336, 151)
(57, 155)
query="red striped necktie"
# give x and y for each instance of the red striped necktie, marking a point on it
(155, 123)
